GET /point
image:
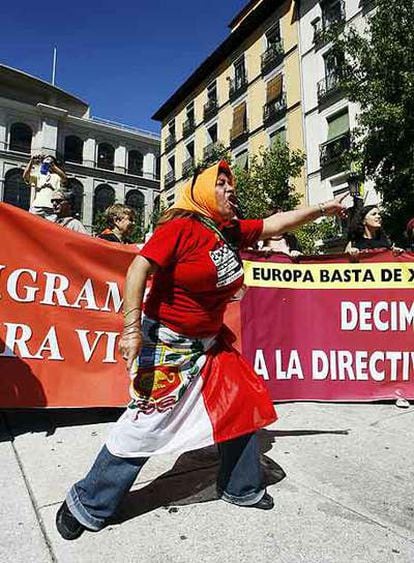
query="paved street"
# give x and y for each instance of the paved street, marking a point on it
(342, 476)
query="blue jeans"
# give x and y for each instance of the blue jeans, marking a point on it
(94, 499)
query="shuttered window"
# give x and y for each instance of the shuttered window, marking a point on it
(274, 88)
(338, 125)
(239, 121)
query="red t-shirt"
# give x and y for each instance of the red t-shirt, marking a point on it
(198, 273)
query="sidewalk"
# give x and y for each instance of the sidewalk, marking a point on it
(342, 476)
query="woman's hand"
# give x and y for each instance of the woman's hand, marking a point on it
(396, 250)
(130, 346)
(334, 206)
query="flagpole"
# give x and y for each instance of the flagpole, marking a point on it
(54, 65)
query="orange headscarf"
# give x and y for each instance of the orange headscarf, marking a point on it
(200, 196)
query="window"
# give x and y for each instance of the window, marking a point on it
(242, 160)
(103, 198)
(278, 136)
(135, 163)
(188, 164)
(106, 153)
(239, 128)
(157, 167)
(332, 12)
(273, 36)
(212, 134)
(73, 149)
(170, 138)
(136, 200)
(275, 107)
(16, 191)
(210, 108)
(20, 138)
(239, 72)
(212, 92)
(338, 125)
(77, 189)
(189, 123)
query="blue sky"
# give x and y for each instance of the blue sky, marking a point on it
(124, 58)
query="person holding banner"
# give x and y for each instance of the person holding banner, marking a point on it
(189, 387)
(366, 232)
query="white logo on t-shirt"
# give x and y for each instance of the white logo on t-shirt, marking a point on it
(229, 267)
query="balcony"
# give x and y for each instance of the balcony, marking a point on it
(188, 168)
(170, 142)
(274, 110)
(329, 88)
(169, 179)
(272, 57)
(331, 23)
(331, 153)
(237, 86)
(188, 127)
(210, 109)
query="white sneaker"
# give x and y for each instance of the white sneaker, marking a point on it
(402, 403)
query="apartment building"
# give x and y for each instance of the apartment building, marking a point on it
(244, 95)
(328, 115)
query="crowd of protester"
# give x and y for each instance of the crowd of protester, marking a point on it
(55, 201)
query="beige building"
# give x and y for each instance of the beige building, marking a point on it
(246, 93)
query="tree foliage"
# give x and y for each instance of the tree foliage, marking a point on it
(311, 237)
(267, 184)
(379, 76)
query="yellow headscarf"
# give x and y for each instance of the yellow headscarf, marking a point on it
(200, 196)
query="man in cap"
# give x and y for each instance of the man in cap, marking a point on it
(63, 203)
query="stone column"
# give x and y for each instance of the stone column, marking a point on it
(120, 160)
(89, 151)
(149, 166)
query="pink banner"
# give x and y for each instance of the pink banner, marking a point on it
(327, 329)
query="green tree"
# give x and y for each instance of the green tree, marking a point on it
(379, 75)
(267, 184)
(312, 236)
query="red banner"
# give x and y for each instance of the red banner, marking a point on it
(60, 292)
(327, 329)
(322, 329)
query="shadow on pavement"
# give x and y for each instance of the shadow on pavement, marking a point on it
(24, 421)
(192, 479)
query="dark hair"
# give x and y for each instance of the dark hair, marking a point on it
(357, 228)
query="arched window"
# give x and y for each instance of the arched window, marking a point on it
(135, 163)
(136, 200)
(20, 138)
(73, 149)
(103, 198)
(106, 153)
(77, 188)
(16, 191)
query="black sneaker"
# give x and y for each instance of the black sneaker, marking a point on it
(265, 503)
(67, 525)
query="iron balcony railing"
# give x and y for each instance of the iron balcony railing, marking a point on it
(209, 150)
(188, 168)
(237, 86)
(330, 153)
(188, 127)
(329, 86)
(210, 109)
(169, 179)
(170, 142)
(272, 57)
(332, 18)
(274, 110)
(239, 138)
